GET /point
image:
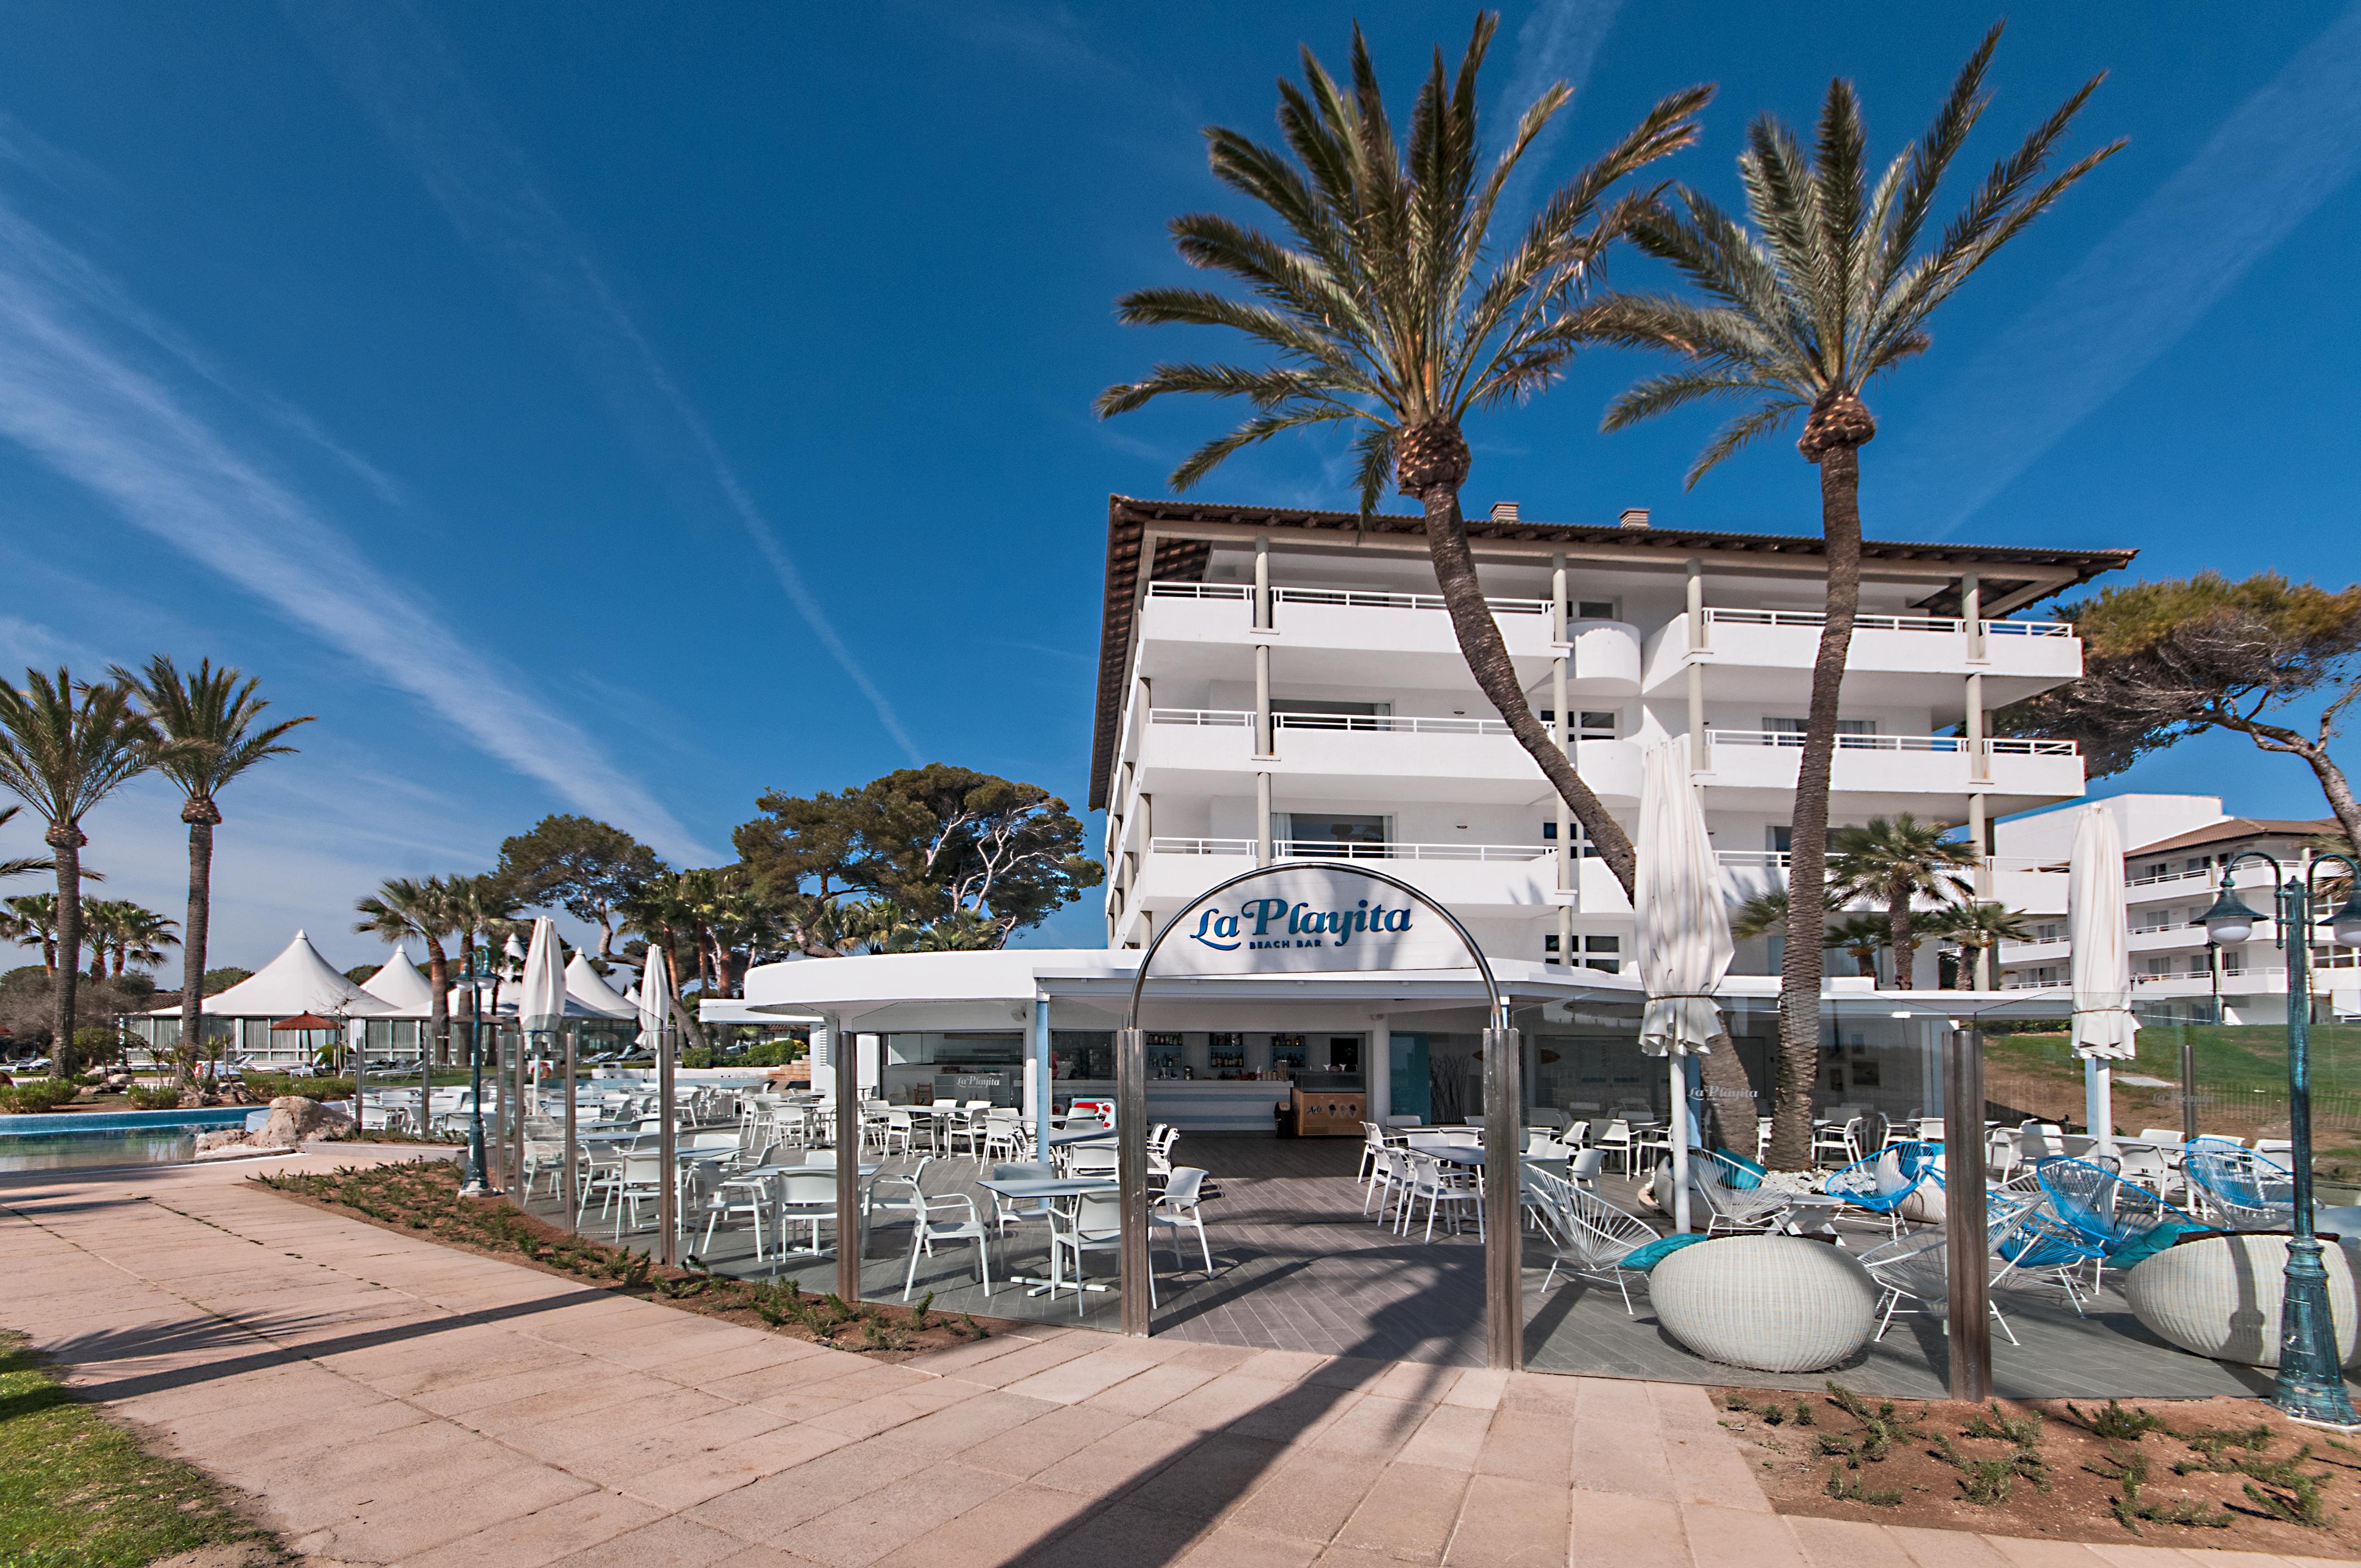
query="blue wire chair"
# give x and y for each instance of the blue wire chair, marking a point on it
(2039, 1242)
(2250, 1192)
(2104, 1209)
(1880, 1184)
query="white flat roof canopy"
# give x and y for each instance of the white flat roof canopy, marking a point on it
(922, 991)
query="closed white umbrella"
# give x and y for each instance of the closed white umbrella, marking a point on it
(656, 998)
(542, 1002)
(2104, 1030)
(1684, 936)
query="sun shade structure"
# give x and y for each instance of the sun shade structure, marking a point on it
(588, 989)
(298, 981)
(2103, 1029)
(402, 987)
(655, 999)
(1683, 932)
(541, 1004)
(306, 1022)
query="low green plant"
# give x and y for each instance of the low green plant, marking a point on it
(2023, 1431)
(2117, 1424)
(2281, 1488)
(36, 1095)
(143, 1098)
(1988, 1482)
(1844, 1489)
(1880, 1427)
(2130, 1476)
(2213, 1446)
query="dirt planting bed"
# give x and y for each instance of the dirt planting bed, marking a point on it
(2221, 1473)
(423, 1198)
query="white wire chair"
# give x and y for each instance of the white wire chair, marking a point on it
(1588, 1236)
(1916, 1267)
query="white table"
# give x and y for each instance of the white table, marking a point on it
(1023, 1187)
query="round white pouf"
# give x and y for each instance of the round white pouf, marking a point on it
(1771, 1303)
(2220, 1297)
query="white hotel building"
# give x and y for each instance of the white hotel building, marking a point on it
(1281, 685)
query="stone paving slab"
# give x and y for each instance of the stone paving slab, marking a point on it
(388, 1400)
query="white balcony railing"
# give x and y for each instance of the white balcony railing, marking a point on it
(2204, 874)
(1794, 738)
(1371, 723)
(1356, 598)
(1890, 622)
(1329, 849)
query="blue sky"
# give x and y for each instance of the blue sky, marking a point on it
(582, 407)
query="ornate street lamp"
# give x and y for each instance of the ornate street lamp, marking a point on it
(2310, 1384)
(475, 1184)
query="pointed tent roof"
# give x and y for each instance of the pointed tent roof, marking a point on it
(588, 987)
(298, 981)
(401, 986)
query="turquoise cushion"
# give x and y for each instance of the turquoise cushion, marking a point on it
(2162, 1235)
(1646, 1256)
(1746, 1173)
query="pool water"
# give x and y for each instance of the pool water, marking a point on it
(90, 1151)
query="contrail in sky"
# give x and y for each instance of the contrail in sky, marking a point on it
(2279, 155)
(87, 412)
(403, 78)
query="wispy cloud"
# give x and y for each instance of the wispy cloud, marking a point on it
(2284, 151)
(401, 75)
(70, 396)
(1559, 42)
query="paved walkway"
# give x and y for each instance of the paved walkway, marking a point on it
(391, 1401)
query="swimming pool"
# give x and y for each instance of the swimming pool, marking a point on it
(87, 1140)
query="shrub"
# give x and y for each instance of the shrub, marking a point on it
(37, 1095)
(146, 1099)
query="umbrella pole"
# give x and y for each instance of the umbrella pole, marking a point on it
(1679, 1124)
(1969, 1307)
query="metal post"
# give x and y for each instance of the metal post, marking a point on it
(1676, 1117)
(1504, 1140)
(667, 1147)
(1969, 1303)
(1040, 1099)
(360, 1071)
(844, 1058)
(2311, 1385)
(513, 1116)
(427, 1044)
(570, 1182)
(1131, 1176)
(477, 1175)
(2189, 1086)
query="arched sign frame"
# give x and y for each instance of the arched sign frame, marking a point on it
(1503, 1124)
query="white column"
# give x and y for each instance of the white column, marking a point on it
(1700, 750)
(1566, 743)
(1560, 620)
(1972, 611)
(1981, 976)
(823, 1062)
(1266, 743)
(1262, 819)
(1037, 1079)
(1378, 1070)
(1979, 758)
(1262, 618)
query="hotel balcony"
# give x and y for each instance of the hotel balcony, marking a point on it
(1474, 881)
(1367, 757)
(1365, 638)
(2014, 774)
(1764, 650)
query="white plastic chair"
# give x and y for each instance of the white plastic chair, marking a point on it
(1617, 1142)
(805, 1197)
(1179, 1209)
(1095, 1224)
(928, 1230)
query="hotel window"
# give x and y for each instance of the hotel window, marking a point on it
(1591, 724)
(1779, 840)
(1594, 609)
(2048, 931)
(1323, 835)
(1321, 713)
(1584, 849)
(1598, 953)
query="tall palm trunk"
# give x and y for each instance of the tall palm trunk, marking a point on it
(65, 841)
(438, 1049)
(1901, 934)
(1801, 966)
(1495, 676)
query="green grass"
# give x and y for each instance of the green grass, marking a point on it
(77, 1491)
(2228, 1056)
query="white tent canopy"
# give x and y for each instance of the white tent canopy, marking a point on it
(401, 986)
(298, 981)
(588, 986)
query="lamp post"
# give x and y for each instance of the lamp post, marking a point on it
(475, 1184)
(2311, 1384)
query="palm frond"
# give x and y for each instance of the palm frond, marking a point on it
(1261, 428)
(1375, 449)
(1746, 427)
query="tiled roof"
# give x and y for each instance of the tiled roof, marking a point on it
(2230, 830)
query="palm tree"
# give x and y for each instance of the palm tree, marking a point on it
(25, 866)
(1898, 861)
(1861, 936)
(1980, 928)
(64, 747)
(138, 937)
(1760, 916)
(1827, 290)
(404, 907)
(1397, 312)
(30, 919)
(214, 718)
